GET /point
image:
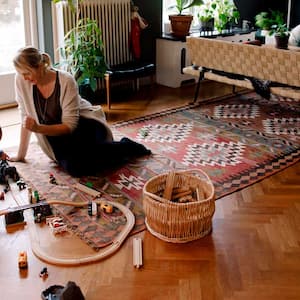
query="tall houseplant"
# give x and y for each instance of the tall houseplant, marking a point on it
(83, 54)
(181, 23)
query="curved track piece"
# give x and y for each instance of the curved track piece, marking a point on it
(38, 251)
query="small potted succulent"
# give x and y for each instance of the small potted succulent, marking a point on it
(180, 22)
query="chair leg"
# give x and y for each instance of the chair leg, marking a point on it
(151, 86)
(107, 85)
(201, 76)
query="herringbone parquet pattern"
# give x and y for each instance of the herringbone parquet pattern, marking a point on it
(252, 253)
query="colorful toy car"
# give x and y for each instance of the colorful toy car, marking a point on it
(22, 260)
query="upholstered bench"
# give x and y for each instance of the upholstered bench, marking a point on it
(128, 71)
(280, 67)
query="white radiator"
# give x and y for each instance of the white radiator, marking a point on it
(113, 17)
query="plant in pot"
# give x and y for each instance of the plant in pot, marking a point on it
(206, 15)
(263, 20)
(83, 55)
(180, 22)
(281, 34)
(226, 14)
(266, 22)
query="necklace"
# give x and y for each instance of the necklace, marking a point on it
(42, 110)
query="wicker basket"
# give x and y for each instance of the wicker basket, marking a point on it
(179, 222)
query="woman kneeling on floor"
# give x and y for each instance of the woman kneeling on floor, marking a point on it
(69, 129)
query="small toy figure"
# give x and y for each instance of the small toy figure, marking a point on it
(22, 260)
(44, 273)
(21, 184)
(35, 197)
(52, 179)
(7, 171)
(29, 190)
(38, 218)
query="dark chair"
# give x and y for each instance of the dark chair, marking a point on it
(128, 71)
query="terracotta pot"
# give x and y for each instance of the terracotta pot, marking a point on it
(180, 24)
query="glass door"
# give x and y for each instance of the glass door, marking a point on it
(17, 29)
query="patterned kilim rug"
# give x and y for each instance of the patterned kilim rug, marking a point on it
(237, 141)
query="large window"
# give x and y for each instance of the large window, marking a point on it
(17, 29)
(11, 32)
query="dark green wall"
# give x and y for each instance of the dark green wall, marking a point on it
(248, 9)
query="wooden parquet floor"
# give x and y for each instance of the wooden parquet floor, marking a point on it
(253, 251)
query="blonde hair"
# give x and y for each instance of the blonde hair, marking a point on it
(32, 58)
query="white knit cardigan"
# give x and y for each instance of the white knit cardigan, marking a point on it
(72, 106)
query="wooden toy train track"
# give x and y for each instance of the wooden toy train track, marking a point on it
(39, 252)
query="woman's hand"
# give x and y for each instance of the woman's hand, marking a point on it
(30, 124)
(16, 158)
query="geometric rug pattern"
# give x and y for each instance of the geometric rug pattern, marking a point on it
(237, 141)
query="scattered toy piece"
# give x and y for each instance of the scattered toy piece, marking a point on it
(52, 179)
(107, 208)
(57, 225)
(22, 260)
(92, 208)
(21, 184)
(44, 273)
(137, 252)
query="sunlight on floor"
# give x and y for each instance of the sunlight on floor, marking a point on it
(10, 124)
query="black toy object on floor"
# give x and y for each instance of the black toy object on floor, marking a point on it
(7, 171)
(70, 292)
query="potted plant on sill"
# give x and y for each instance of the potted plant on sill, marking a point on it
(83, 54)
(281, 35)
(206, 15)
(263, 20)
(226, 14)
(181, 23)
